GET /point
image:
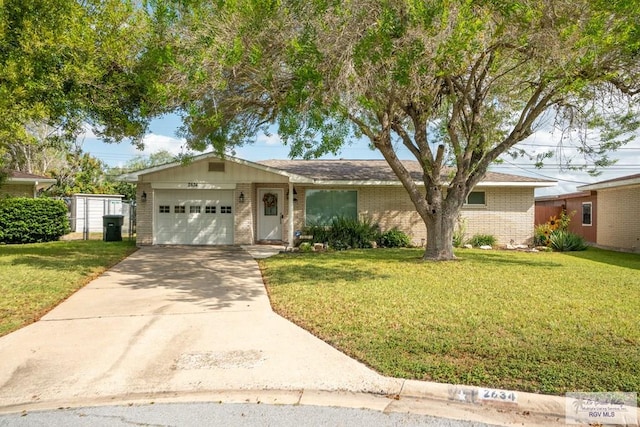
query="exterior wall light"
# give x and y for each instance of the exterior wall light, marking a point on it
(241, 198)
(143, 198)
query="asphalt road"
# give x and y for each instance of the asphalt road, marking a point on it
(217, 414)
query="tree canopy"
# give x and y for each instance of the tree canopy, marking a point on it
(457, 83)
(65, 63)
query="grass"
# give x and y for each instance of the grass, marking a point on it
(34, 278)
(538, 322)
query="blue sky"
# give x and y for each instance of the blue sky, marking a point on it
(162, 136)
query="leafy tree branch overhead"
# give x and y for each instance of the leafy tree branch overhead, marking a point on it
(66, 62)
(458, 83)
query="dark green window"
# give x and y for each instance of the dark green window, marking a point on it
(324, 205)
(476, 198)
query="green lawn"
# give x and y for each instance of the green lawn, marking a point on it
(35, 278)
(537, 322)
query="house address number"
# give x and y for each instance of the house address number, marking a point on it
(497, 395)
(192, 185)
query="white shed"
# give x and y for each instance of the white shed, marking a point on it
(89, 208)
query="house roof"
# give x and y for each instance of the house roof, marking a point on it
(563, 196)
(612, 183)
(24, 177)
(347, 172)
(367, 172)
(133, 176)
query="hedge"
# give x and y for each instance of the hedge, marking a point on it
(25, 220)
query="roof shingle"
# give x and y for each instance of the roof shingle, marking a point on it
(367, 170)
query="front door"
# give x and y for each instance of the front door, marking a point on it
(270, 214)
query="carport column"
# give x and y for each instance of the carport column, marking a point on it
(290, 230)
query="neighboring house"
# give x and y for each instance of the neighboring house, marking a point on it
(22, 184)
(210, 201)
(618, 204)
(581, 208)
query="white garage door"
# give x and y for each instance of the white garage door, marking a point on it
(193, 217)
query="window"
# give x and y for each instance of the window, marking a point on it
(165, 209)
(210, 209)
(321, 206)
(586, 213)
(179, 209)
(225, 209)
(270, 201)
(194, 209)
(476, 198)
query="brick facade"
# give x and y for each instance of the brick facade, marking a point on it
(618, 219)
(508, 214)
(245, 224)
(17, 190)
(144, 215)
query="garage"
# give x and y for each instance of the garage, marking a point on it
(193, 217)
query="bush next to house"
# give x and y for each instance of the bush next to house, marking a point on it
(394, 238)
(482, 240)
(554, 234)
(345, 233)
(564, 241)
(25, 220)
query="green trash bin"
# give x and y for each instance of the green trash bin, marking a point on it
(112, 228)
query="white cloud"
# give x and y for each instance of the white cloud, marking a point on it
(154, 143)
(271, 139)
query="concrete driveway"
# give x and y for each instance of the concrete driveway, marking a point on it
(171, 320)
(194, 324)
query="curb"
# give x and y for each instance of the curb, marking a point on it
(434, 399)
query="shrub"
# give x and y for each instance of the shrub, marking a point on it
(459, 234)
(25, 220)
(319, 232)
(394, 238)
(344, 233)
(306, 247)
(482, 240)
(349, 233)
(564, 241)
(541, 234)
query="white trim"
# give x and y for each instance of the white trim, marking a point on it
(33, 181)
(191, 186)
(291, 213)
(517, 184)
(608, 185)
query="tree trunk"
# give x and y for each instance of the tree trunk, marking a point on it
(440, 229)
(440, 219)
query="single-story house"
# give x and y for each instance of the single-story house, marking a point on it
(581, 206)
(213, 201)
(618, 204)
(22, 184)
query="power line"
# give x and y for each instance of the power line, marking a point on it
(548, 177)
